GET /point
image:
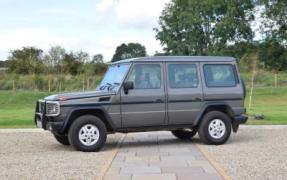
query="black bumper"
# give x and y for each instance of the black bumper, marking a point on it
(241, 119)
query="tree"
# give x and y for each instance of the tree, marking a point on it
(3, 63)
(130, 50)
(71, 65)
(275, 20)
(98, 58)
(54, 58)
(273, 55)
(199, 27)
(26, 61)
(82, 56)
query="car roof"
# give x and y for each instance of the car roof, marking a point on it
(178, 59)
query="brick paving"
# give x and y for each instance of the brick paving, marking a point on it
(159, 155)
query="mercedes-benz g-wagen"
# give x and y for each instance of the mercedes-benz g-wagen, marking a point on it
(184, 95)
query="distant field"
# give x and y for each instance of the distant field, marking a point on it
(17, 108)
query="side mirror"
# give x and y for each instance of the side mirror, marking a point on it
(127, 86)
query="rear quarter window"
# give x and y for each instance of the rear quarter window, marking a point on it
(219, 75)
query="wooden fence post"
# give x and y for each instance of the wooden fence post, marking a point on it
(49, 85)
(13, 85)
(83, 84)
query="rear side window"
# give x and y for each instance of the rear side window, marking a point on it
(219, 75)
(182, 76)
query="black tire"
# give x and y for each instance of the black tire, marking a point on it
(204, 132)
(78, 124)
(62, 139)
(184, 133)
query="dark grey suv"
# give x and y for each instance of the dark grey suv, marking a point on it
(184, 95)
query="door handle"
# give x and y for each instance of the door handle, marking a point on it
(196, 99)
(159, 101)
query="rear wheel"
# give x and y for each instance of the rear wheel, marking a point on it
(87, 133)
(215, 128)
(184, 133)
(62, 139)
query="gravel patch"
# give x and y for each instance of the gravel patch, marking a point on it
(37, 155)
(255, 152)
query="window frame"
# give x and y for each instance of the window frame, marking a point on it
(142, 63)
(185, 63)
(224, 64)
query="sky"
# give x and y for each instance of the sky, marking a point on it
(93, 26)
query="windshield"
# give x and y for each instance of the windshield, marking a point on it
(113, 77)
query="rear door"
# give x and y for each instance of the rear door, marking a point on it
(145, 104)
(184, 92)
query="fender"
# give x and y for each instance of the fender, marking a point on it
(211, 104)
(74, 109)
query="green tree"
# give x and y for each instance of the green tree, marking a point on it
(275, 20)
(199, 27)
(71, 65)
(130, 50)
(27, 60)
(98, 58)
(273, 55)
(54, 59)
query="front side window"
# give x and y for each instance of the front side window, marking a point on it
(146, 76)
(219, 75)
(114, 77)
(182, 76)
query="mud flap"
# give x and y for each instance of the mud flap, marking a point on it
(235, 127)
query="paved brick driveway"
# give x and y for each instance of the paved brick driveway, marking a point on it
(159, 155)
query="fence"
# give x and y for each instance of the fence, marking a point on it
(60, 83)
(49, 83)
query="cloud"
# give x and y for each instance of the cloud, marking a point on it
(92, 27)
(32, 37)
(132, 13)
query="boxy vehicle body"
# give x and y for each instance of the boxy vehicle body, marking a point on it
(182, 94)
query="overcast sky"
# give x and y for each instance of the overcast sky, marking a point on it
(94, 26)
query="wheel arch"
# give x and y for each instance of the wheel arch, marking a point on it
(216, 106)
(99, 112)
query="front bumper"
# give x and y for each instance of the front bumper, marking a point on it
(51, 123)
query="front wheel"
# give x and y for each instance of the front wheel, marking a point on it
(215, 128)
(87, 133)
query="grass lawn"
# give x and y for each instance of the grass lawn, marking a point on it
(271, 102)
(17, 108)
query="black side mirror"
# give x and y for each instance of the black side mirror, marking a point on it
(127, 86)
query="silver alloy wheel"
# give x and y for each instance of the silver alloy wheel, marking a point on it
(216, 128)
(89, 135)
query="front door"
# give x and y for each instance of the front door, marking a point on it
(184, 89)
(145, 104)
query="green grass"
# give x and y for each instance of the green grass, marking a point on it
(271, 102)
(17, 108)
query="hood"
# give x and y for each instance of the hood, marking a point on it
(78, 95)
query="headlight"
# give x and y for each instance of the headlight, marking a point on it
(52, 108)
